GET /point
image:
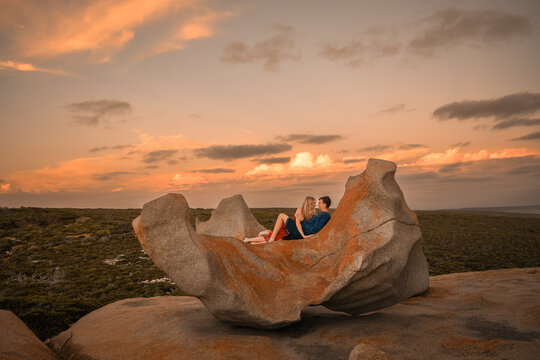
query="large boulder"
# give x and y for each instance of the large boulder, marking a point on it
(18, 342)
(232, 218)
(479, 315)
(367, 257)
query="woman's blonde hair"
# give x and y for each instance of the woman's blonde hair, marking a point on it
(308, 209)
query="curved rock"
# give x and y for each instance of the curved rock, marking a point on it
(367, 257)
(231, 218)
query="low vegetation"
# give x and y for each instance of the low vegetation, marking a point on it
(56, 265)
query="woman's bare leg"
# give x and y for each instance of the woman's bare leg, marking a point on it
(255, 239)
(281, 220)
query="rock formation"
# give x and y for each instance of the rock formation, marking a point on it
(232, 218)
(17, 341)
(478, 315)
(367, 257)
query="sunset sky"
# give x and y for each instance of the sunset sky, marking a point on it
(114, 103)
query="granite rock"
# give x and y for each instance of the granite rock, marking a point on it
(479, 315)
(18, 342)
(367, 257)
(232, 218)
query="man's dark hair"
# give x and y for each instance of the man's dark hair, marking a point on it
(326, 200)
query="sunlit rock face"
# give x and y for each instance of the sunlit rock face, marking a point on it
(231, 218)
(367, 257)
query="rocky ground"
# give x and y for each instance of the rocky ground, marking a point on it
(477, 315)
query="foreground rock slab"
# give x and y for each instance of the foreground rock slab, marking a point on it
(18, 342)
(367, 257)
(479, 315)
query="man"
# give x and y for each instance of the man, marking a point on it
(309, 227)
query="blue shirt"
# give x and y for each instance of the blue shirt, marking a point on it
(315, 224)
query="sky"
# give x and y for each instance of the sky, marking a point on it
(114, 103)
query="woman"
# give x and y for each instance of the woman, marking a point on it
(281, 230)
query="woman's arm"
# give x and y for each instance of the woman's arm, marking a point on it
(299, 217)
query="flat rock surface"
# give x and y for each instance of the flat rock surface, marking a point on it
(478, 315)
(18, 342)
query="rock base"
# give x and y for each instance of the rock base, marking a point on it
(481, 315)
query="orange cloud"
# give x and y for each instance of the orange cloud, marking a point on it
(454, 155)
(13, 65)
(101, 27)
(196, 28)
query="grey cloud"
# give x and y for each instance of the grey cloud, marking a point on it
(151, 167)
(231, 152)
(515, 122)
(274, 160)
(109, 175)
(356, 53)
(410, 146)
(118, 147)
(310, 139)
(461, 144)
(377, 147)
(531, 136)
(158, 155)
(420, 176)
(99, 148)
(525, 170)
(503, 107)
(351, 161)
(95, 112)
(215, 171)
(453, 27)
(394, 109)
(451, 167)
(270, 52)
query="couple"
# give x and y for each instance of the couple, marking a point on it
(306, 222)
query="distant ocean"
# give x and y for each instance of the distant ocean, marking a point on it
(530, 209)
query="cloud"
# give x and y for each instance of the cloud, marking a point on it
(159, 155)
(270, 52)
(451, 167)
(504, 124)
(305, 159)
(18, 66)
(453, 27)
(500, 108)
(99, 29)
(310, 139)
(374, 148)
(394, 109)
(232, 152)
(96, 112)
(215, 171)
(98, 149)
(274, 160)
(352, 160)
(109, 175)
(356, 53)
(453, 155)
(531, 136)
(199, 27)
(410, 146)
(461, 144)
